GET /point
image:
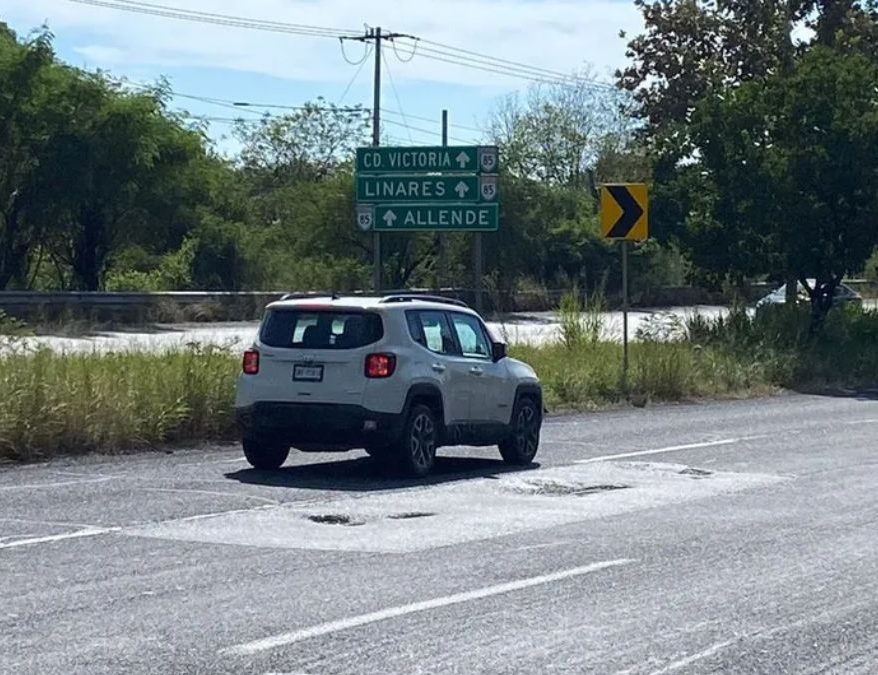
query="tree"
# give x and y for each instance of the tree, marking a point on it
(792, 170)
(555, 133)
(24, 103)
(111, 174)
(704, 75)
(305, 145)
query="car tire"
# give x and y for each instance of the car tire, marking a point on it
(415, 451)
(265, 455)
(520, 447)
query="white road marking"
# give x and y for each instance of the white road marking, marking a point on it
(285, 639)
(212, 493)
(682, 663)
(91, 531)
(866, 421)
(671, 448)
(551, 544)
(49, 523)
(38, 486)
(60, 537)
(765, 633)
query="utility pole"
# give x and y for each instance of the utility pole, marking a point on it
(375, 35)
(442, 258)
(478, 271)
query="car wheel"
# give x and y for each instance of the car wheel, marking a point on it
(416, 452)
(265, 455)
(521, 446)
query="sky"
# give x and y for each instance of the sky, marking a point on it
(273, 68)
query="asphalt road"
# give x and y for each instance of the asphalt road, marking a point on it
(740, 537)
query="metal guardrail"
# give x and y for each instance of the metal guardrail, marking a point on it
(31, 302)
(27, 304)
(110, 299)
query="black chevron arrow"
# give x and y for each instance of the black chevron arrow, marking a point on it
(631, 212)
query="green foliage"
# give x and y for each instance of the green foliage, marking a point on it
(779, 340)
(582, 323)
(304, 146)
(110, 189)
(871, 269)
(10, 326)
(173, 272)
(73, 403)
(26, 109)
(764, 150)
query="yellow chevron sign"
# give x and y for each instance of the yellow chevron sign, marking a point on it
(625, 211)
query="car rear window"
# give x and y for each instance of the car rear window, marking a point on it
(323, 329)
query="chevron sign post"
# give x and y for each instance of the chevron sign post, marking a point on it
(625, 217)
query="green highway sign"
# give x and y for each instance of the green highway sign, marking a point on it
(452, 159)
(383, 189)
(433, 217)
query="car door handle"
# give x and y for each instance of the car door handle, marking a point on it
(438, 367)
(475, 370)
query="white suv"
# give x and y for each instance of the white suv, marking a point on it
(399, 376)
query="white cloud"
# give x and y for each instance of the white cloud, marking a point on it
(560, 35)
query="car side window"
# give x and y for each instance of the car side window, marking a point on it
(471, 336)
(431, 330)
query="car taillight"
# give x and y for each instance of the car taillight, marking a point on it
(251, 362)
(380, 365)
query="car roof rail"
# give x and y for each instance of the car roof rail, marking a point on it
(414, 297)
(308, 296)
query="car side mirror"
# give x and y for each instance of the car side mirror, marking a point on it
(499, 351)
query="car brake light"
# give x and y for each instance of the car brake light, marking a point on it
(251, 362)
(380, 365)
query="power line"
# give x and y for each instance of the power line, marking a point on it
(462, 127)
(250, 107)
(403, 125)
(356, 74)
(517, 64)
(247, 106)
(168, 12)
(366, 51)
(438, 52)
(428, 132)
(498, 66)
(395, 93)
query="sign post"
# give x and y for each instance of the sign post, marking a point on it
(430, 189)
(625, 216)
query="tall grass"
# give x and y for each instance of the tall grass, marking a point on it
(582, 322)
(52, 403)
(56, 403)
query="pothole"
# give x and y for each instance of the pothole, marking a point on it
(410, 516)
(696, 473)
(552, 488)
(334, 519)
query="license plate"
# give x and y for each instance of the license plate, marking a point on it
(307, 373)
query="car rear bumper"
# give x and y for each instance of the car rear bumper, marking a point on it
(331, 424)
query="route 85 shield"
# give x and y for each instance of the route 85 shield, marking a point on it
(488, 160)
(488, 188)
(365, 217)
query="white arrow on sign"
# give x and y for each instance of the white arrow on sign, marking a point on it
(461, 189)
(462, 159)
(390, 218)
